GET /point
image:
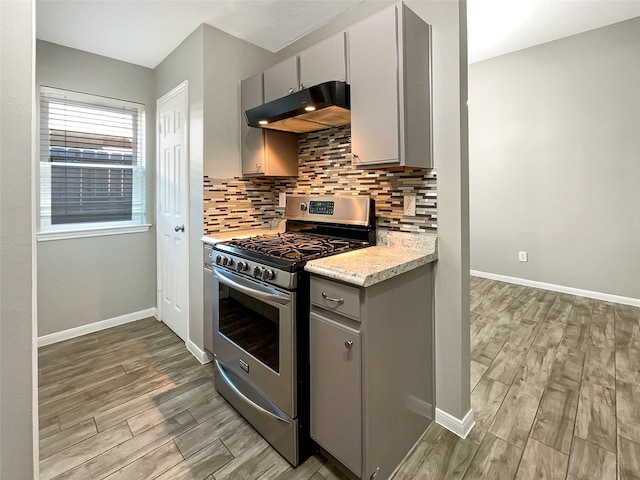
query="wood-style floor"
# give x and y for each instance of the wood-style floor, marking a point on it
(555, 392)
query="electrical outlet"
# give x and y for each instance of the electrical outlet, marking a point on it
(282, 199)
(410, 205)
(522, 256)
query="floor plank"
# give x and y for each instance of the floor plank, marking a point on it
(62, 440)
(542, 461)
(628, 459)
(448, 459)
(588, 461)
(628, 410)
(555, 420)
(200, 464)
(150, 465)
(130, 450)
(497, 457)
(516, 415)
(79, 453)
(595, 419)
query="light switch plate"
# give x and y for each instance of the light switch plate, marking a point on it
(282, 199)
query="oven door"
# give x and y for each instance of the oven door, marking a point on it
(254, 335)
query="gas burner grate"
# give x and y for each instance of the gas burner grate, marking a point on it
(294, 246)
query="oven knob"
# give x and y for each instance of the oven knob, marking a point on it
(218, 259)
(241, 266)
(303, 207)
(257, 272)
(267, 274)
(227, 262)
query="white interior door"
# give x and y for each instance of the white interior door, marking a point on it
(173, 216)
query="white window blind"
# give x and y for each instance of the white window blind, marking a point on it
(92, 162)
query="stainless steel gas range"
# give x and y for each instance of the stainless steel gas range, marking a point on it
(261, 314)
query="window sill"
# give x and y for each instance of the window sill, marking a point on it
(91, 232)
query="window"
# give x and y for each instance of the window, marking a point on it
(92, 168)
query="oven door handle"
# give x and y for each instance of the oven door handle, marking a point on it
(272, 295)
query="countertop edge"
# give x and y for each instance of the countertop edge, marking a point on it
(366, 280)
(213, 238)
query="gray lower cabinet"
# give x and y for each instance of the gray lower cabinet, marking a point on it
(336, 375)
(371, 364)
(391, 90)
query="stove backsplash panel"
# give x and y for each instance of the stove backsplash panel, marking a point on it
(324, 168)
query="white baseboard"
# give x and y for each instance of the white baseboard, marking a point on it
(96, 326)
(607, 297)
(202, 356)
(456, 425)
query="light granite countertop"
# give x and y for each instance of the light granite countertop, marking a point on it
(371, 265)
(214, 238)
(394, 254)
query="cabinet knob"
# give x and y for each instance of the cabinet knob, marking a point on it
(348, 344)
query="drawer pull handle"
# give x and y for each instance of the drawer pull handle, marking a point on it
(348, 344)
(339, 301)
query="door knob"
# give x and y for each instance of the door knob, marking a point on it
(348, 344)
(179, 228)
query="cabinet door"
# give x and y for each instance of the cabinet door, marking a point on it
(251, 138)
(324, 62)
(336, 402)
(280, 79)
(374, 88)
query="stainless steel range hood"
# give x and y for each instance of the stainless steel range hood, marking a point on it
(315, 108)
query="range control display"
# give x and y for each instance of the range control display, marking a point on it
(321, 207)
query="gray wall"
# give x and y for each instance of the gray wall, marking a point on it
(227, 60)
(18, 415)
(555, 162)
(448, 20)
(213, 63)
(86, 280)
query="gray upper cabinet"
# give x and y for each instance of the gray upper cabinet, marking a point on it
(390, 77)
(281, 79)
(325, 61)
(252, 141)
(264, 152)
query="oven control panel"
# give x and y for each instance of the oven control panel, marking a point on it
(256, 270)
(334, 209)
(321, 207)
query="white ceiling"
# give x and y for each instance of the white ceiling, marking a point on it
(496, 27)
(145, 31)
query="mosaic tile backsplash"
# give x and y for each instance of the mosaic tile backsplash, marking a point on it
(324, 168)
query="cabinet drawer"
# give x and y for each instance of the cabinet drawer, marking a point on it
(336, 297)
